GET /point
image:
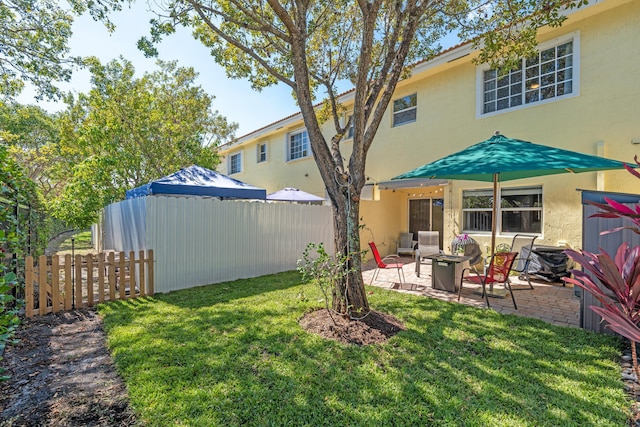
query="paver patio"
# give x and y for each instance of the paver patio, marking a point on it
(550, 302)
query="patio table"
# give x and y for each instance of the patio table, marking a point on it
(446, 271)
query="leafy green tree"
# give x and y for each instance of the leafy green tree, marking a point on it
(32, 136)
(15, 187)
(313, 45)
(128, 131)
(34, 36)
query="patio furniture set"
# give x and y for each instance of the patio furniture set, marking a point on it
(450, 271)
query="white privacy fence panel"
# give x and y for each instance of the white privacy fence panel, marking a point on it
(124, 225)
(199, 241)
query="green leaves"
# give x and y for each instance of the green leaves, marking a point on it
(9, 320)
(34, 36)
(128, 131)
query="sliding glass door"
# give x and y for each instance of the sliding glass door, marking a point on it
(426, 215)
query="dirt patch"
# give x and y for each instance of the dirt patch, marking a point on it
(62, 375)
(374, 328)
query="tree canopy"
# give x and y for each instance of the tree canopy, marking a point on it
(32, 137)
(128, 131)
(34, 35)
(313, 45)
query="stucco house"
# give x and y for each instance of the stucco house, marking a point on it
(580, 93)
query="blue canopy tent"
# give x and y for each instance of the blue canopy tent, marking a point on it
(199, 181)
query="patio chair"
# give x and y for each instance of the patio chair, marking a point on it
(405, 244)
(523, 244)
(381, 264)
(498, 272)
(428, 243)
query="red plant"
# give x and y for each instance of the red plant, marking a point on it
(620, 275)
(613, 209)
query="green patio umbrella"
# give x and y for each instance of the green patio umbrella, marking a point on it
(503, 159)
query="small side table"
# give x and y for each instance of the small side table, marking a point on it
(446, 271)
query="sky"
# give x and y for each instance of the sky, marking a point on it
(234, 98)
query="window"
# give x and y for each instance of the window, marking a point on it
(298, 145)
(235, 163)
(548, 75)
(519, 211)
(261, 153)
(404, 110)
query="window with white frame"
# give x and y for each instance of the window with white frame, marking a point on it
(547, 75)
(519, 210)
(235, 163)
(261, 152)
(405, 109)
(298, 145)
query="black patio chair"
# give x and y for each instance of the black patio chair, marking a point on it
(523, 244)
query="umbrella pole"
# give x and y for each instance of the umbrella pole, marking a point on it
(495, 213)
(496, 293)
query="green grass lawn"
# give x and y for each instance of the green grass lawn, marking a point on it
(81, 245)
(233, 354)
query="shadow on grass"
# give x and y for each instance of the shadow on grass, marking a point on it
(512, 365)
(202, 296)
(229, 355)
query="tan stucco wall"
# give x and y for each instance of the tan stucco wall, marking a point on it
(602, 120)
(383, 222)
(276, 173)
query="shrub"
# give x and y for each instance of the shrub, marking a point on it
(620, 275)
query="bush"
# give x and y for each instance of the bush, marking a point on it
(619, 274)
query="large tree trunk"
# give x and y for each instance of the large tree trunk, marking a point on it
(343, 186)
(349, 296)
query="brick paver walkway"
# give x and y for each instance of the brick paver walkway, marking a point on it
(550, 302)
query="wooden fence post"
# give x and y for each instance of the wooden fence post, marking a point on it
(150, 271)
(143, 283)
(111, 266)
(78, 280)
(123, 276)
(28, 286)
(68, 283)
(42, 284)
(132, 274)
(101, 277)
(55, 283)
(90, 280)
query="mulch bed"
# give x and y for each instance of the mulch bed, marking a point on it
(62, 375)
(373, 328)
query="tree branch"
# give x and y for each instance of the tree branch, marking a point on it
(245, 49)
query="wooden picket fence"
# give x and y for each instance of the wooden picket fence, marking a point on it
(58, 283)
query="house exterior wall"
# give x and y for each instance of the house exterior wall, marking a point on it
(276, 172)
(600, 118)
